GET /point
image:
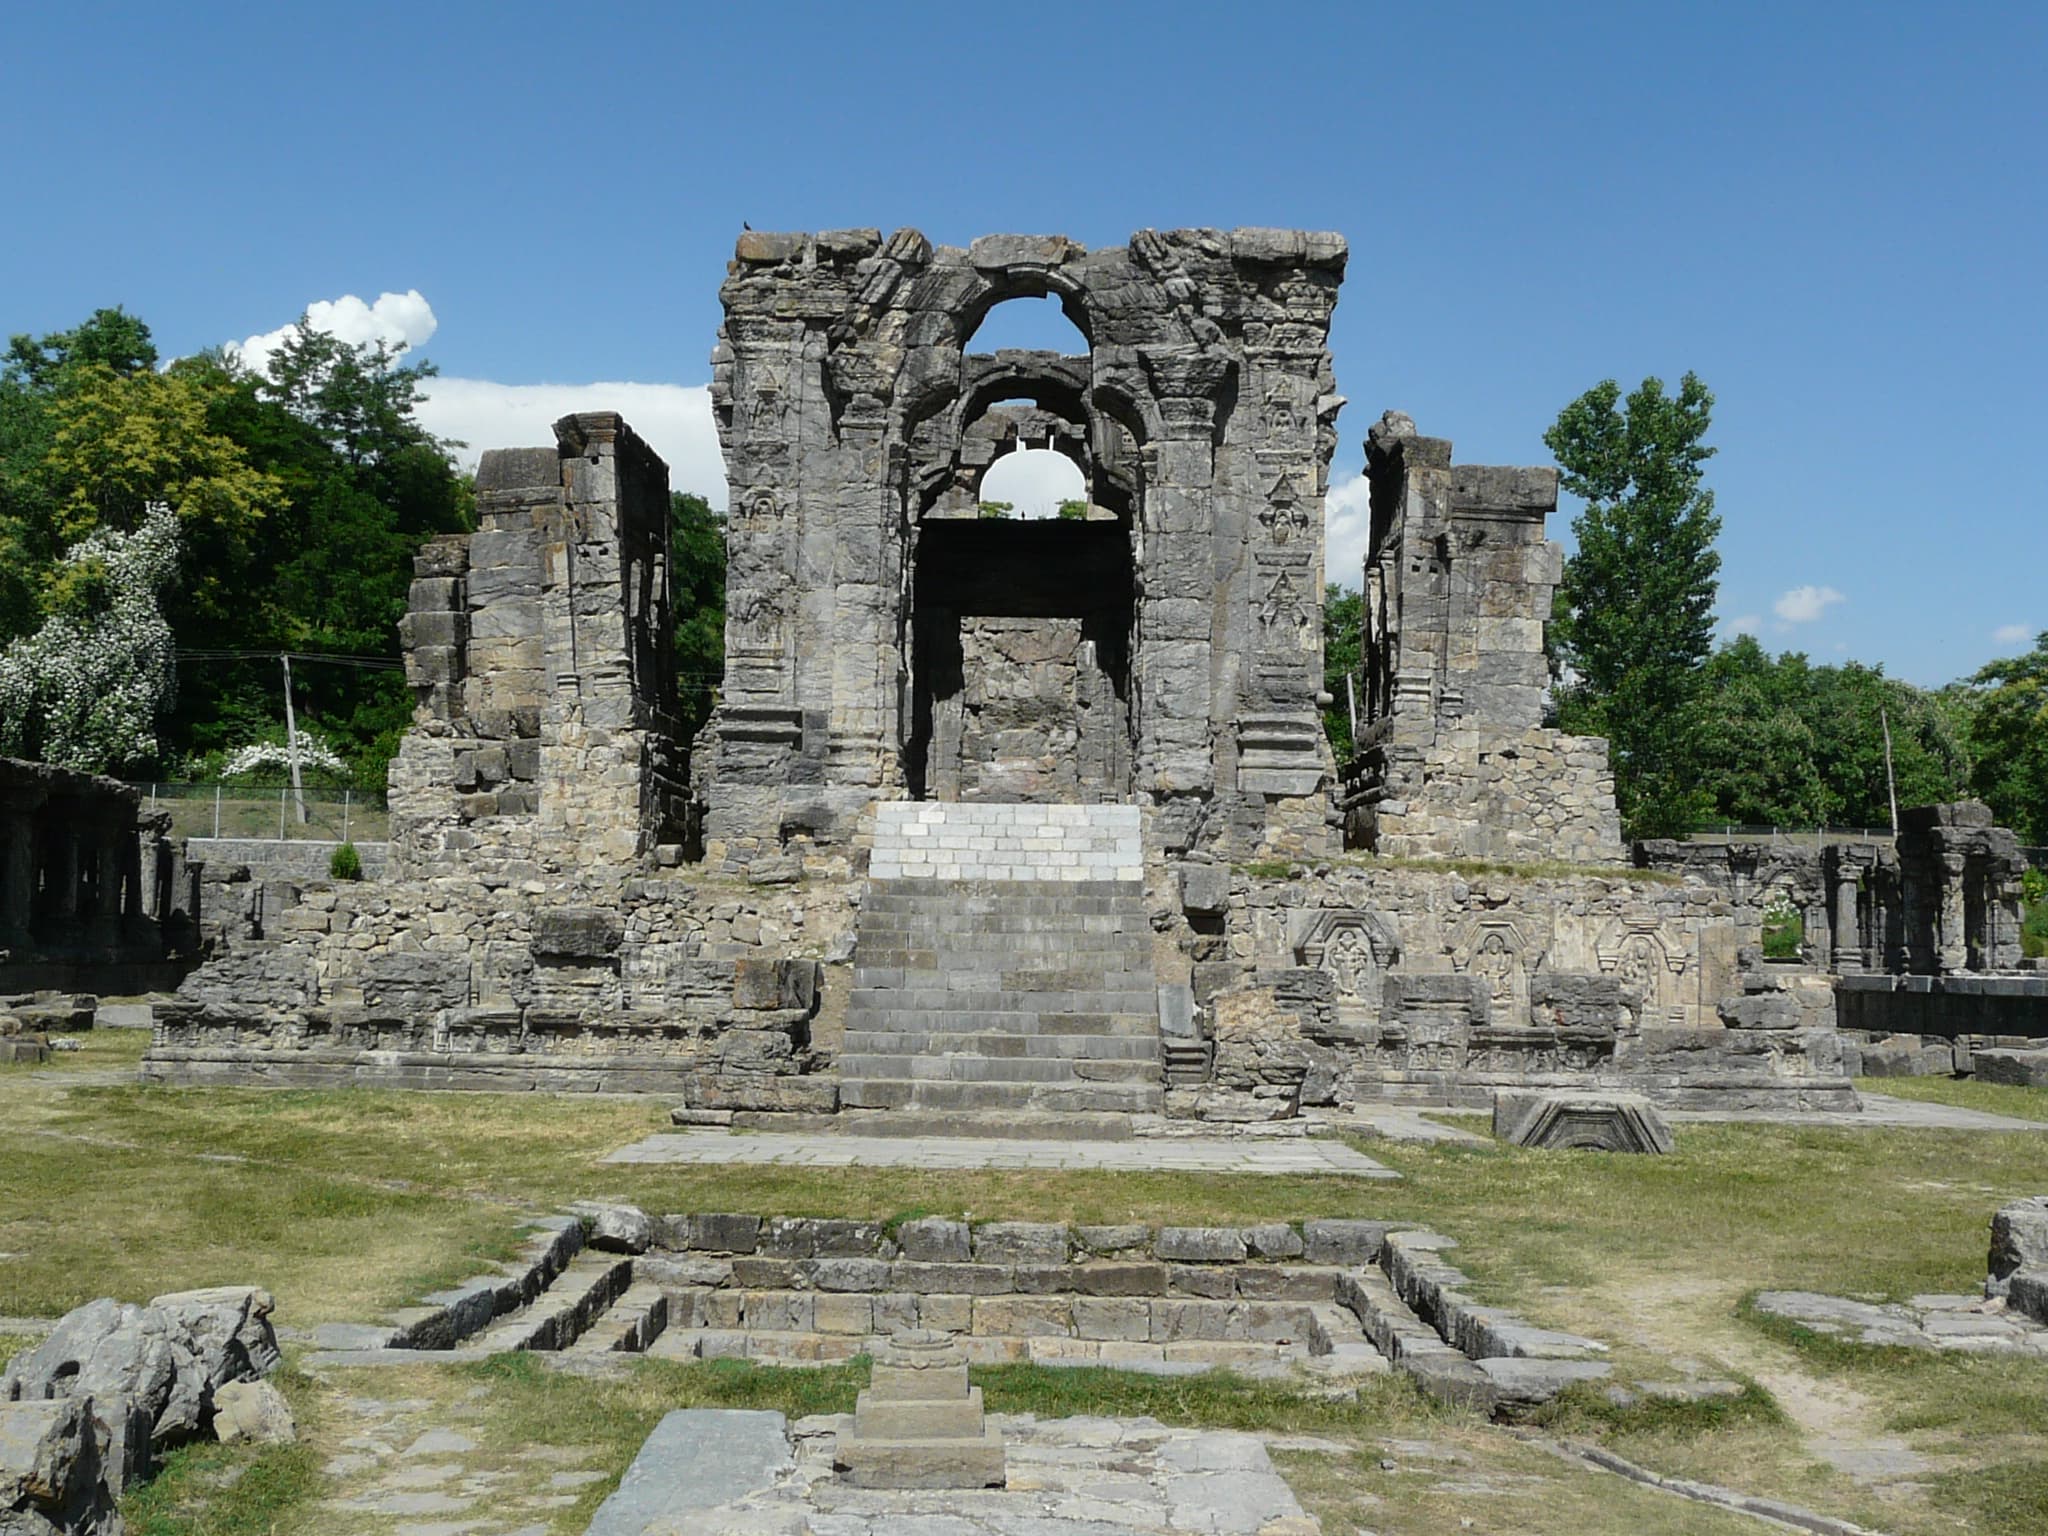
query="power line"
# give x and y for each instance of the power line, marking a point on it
(332, 658)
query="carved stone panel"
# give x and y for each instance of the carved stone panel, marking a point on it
(1503, 951)
(1648, 959)
(1356, 949)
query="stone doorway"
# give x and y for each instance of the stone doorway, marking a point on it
(1021, 662)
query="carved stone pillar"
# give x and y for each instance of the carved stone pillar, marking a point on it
(1846, 930)
(1953, 952)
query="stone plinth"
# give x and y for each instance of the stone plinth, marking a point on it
(919, 1424)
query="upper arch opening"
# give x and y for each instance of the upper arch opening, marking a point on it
(1042, 322)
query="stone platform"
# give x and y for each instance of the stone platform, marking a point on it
(1294, 1155)
(708, 1472)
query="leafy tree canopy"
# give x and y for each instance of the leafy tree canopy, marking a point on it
(2008, 704)
(1633, 623)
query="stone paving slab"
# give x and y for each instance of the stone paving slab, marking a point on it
(1067, 1477)
(1880, 1112)
(1879, 1109)
(1150, 1154)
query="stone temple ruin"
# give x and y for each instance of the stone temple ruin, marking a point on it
(1004, 817)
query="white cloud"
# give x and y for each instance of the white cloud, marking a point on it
(1347, 528)
(2013, 634)
(1802, 605)
(675, 419)
(400, 320)
(1744, 624)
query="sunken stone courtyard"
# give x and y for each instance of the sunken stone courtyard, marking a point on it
(1005, 1075)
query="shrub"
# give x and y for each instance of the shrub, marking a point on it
(345, 863)
(1784, 931)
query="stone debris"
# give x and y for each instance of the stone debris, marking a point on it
(1967, 1323)
(919, 1424)
(252, 1412)
(84, 1413)
(1604, 1122)
(2019, 1242)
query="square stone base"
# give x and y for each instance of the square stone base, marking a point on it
(922, 1463)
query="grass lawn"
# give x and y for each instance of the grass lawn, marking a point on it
(346, 1202)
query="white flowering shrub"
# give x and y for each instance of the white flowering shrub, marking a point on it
(85, 690)
(264, 756)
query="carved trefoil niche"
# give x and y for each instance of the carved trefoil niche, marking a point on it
(1648, 961)
(1504, 952)
(1357, 949)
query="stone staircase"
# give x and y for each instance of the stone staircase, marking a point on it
(1003, 963)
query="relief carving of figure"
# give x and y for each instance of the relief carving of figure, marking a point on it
(1348, 957)
(1498, 964)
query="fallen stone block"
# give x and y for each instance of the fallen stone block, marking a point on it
(2019, 1240)
(52, 1480)
(1519, 1384)
(2020, 1069)
(617, 1228)
(253, 1413)
(1605, 1122)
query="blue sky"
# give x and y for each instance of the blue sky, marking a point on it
(1836, 215)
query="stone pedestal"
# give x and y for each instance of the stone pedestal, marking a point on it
(919, 1424)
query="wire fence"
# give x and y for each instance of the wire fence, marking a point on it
(269, 811)
(1808, 837)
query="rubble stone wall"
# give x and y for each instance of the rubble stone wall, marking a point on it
(540, 654)
(1453, 760)
(656, 982)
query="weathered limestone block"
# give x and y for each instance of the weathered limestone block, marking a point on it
(1607, 1122)
(253, 1413)
(52, 1478)
(2021, 1069)
(2019, 1240)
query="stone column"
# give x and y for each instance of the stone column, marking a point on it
(17, 876)
(1846, 930)
(1952, 926)
(104, 845)
(62, 886)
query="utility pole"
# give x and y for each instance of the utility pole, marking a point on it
(1891, 784)
(291, 738)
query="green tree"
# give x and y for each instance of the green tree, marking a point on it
(1786, 743)
(87, 688)
(1634, 617)
(697, 559)
(1343, 626)
(2009, 739)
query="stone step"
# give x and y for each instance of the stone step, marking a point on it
(927, 1093)
(1009, 1021)
(630, 1324)
(967, 971)
(999, 999)
(887, 1042)
(1022, 1125)
(1065, 903)
(997, 1069)
(953, 917)
(557, 1317)
(1025, 949)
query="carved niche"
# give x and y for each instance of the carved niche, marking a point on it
(1647, 959)
(1503, 951)
(1356, 949)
